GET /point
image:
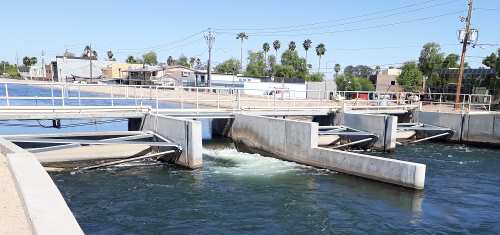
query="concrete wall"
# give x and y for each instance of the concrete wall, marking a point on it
(187, 133)
(469, 127)
(481, 128)
(448, 120)
(44, 204)
(383, 126)
(298, 141)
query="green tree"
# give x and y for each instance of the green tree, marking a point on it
(293, 65)
(242, 37)
(29, 61)
(363, 71)
(411, 77)
(430, 60)
(256, 66)
(347, 82)
(130, 60)
(292, 46)
(150, 58)
(231, 66)
(320, 51)
(192, 62)
(315, 77)
(182, 60)
(307, 45)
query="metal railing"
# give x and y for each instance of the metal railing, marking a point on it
(63, 94)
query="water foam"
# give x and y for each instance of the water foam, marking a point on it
(230, 161)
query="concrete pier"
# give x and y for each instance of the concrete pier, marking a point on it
(383, 126)
(298, 141)
(186, 133)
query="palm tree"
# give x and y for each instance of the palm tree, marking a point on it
(276, 46)
(320, 51)
(291, 46)
(307, 44)
(110, 55)
(266, 48)
(170, 61)
(242, 36)
(337, 70)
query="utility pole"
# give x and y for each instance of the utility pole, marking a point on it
(210, 38)
(464, 50)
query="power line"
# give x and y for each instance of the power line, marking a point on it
(327, 21)
(303, 28)
(163, 44)
(364, 28)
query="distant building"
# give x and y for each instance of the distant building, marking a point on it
(386, 80)
(148, 75)
(66, 69)
(118, 70)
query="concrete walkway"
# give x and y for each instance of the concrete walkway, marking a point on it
(13, 219)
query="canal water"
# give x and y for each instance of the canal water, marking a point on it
(239, 193)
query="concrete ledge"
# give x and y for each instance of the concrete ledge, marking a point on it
(44, 204)
(185, 132)
(298, 141)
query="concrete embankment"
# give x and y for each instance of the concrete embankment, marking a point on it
(298, 141)
(185, 132)
(42, 202)
(480, 128)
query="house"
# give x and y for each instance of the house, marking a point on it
(117, 70)
(68, 69)
(147, 75)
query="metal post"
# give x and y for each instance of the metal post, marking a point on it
(157, 105)
(62, 94)
(197, 99)
(239, 99)
(79, 96)
(218, 99)
(112, 96)
(7, 94)
(52, 93)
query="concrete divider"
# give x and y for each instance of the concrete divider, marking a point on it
(481, 128)
(383, 126)
(185, 132)
(453, 121)
(298, 141)
(48, 212)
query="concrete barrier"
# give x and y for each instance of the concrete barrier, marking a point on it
(44, 204)
(383, 126)
(185, 132)
(298, 141)
(481, 128)
(453, 121)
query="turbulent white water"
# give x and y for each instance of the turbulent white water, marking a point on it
(230, 161)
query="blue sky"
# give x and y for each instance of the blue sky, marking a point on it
(368, 32)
